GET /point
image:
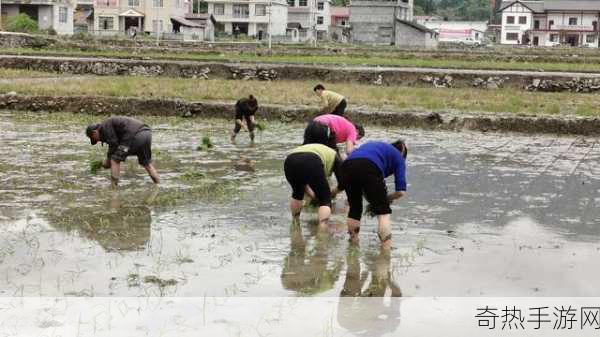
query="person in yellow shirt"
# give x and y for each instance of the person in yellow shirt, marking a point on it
(331, 102)
(306, 169)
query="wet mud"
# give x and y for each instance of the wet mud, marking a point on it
(486, 215)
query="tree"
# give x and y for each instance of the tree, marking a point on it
(22, 23)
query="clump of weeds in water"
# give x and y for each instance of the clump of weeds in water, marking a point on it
(95, 166)
(260, 126)
(192, 176)
(205, 145)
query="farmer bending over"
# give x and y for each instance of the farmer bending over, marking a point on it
(125, 136)
(306, 169)
(331, 130)
(245, 109)
(364, 173)
(331, 102)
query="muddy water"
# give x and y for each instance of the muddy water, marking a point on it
(487, 215)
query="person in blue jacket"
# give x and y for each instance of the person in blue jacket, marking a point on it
(363, 174)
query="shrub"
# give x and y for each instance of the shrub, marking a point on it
(22, 23)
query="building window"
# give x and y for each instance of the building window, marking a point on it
(303, 3)
(321, 6)
(572, 21)
(590, 38)
(536, 24)
(199, 7)
(595, 26)
(510, 20)
(522, 20)
(512, 36)
(241, 11)
(105, 23)
(219, 9)
(550, 24)
(291, 3)
(63, 14)
(133, 3)
(553, 37)
(319, 20)
(157, 25)
(157, 3)
(261, 10)
(343, 23)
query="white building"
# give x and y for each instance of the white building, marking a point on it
(249, 17)
(308, 19)
(49, 14)
(457, 31)
(113, 17)
(551, 22)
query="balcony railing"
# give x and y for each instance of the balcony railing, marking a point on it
(106, 3)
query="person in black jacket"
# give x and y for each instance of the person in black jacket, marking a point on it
(125, 136)
(245, 109)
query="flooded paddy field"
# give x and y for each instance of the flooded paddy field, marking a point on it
(486, 215)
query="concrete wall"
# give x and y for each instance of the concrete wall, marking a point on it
(408, 36)
(372, 21)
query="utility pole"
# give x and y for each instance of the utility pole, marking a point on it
(157, 24)
(0, 15)
(270, 24)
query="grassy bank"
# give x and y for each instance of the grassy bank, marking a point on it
(451, 62)
(299, 92)
(6, 74)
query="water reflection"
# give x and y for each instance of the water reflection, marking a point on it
(309, 270)
(370, 299)
(121, 223)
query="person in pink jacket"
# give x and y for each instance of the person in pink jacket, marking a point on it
(331, 130)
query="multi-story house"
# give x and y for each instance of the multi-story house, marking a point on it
(49, 14)
(550, 22)
(308, 19)
(375, 21)
(150, 16)
(249, 17)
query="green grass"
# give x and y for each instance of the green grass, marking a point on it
(20, 73)
(300, 93)
(395, 60)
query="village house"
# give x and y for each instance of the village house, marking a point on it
(550, 23)
(249, 18)
(171, 19)
(374, 22)
(49, 14)
(308, 20)
(389, 22)
(340, 24)
(472, 32)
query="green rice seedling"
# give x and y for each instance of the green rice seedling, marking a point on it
(260, 126)
(205, 145)
(95, 166)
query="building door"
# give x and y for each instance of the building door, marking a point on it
(30, 10)
(536, 40)
(133, 22)
(573, 40)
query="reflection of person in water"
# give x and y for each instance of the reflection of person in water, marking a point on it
(309, 272)
(369, 310)
(118, 227)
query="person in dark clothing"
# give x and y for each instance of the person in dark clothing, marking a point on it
(245, 109)
(125, 136)
(363, 174)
